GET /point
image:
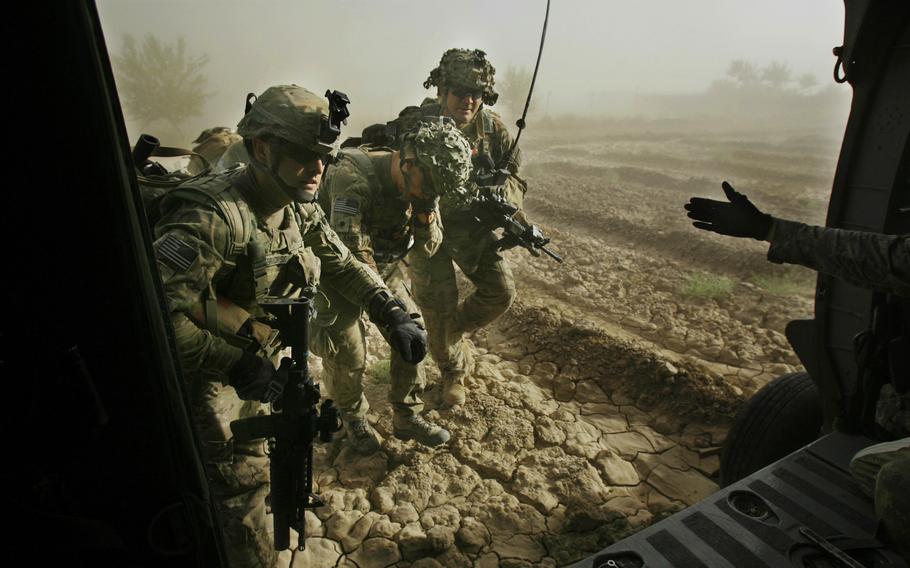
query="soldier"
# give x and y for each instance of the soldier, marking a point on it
(213, 142)
(380, 202)
(464, 82)
(234, 154)
(225, 242)
(870, 260)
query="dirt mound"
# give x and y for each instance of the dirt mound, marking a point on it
(624, 369)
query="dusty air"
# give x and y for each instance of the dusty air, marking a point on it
(412, 341)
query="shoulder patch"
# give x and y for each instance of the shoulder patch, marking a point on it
(175, 253)
(345, 206)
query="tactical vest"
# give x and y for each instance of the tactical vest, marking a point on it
(479, 143)
(221, 192)
(257, 256)
(387, 246)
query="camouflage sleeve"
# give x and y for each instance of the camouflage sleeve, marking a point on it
(190, 245)
(340, 271)
(870, 260)
(427, 225)
(516, 187)
(349, 200)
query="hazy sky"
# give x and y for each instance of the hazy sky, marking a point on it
(379, 52)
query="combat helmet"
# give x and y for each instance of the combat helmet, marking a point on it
(297, 117)
(443, 152)
(465, 68)
(209, 132)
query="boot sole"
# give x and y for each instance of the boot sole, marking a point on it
(407, 437)
(367, 451)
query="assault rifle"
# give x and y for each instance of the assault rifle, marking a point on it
(491, 209)
(489, 205)
(292, 426)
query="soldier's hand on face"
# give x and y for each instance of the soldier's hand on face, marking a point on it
(255, 378)
(737, 218)
(407, 337)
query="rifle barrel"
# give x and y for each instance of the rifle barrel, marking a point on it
(551, 254)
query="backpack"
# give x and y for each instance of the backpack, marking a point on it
(155, 180)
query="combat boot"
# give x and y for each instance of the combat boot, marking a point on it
(415, 427)
(867, 463)
(361, 436)
(453, 391)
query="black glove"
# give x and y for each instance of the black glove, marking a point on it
(506, 242)
(738, 218)
(404, 334)
(254, 378)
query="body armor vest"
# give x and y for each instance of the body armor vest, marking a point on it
(388, 225)
(261, 261)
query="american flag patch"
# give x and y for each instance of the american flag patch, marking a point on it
(175, 253)
(345, 206)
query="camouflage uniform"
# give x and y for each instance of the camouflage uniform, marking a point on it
(892, 501)
(370, 214)
(214, 281)
(212, 143)
(466, 243)
(235, 154)
(869, 260)
(879, 262)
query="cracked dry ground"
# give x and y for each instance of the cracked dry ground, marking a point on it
(599, 402)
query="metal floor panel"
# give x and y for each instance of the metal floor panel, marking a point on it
(756, 522)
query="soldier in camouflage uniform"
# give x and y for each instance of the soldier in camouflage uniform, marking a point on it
(213, 142)
(224, 243)
(869, 260)
(464, 81)
(380, 202)
(234, 154)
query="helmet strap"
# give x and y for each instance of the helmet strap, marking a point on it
(271, 171)
(288, 189)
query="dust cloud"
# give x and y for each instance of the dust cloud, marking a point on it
(602, 58)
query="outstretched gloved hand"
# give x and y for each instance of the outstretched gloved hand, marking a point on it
(738, 218)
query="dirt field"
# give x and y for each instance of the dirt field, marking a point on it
(600, 401)
(613, 202)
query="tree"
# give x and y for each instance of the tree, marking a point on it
(744, 72)
(513, 88)
(777, 74)
(806, 81)
(160, 81)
